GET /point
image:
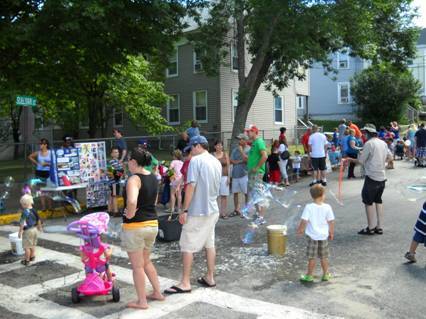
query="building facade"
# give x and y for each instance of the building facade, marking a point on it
(330, 97)
(212, 101)
(418, 65)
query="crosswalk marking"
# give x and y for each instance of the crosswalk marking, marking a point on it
(17, 300)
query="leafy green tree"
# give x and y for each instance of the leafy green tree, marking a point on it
(383, 93)
(141, 97)
(80, 41)
(278, 40)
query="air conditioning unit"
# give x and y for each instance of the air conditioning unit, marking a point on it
(344, 99)
(343, 65)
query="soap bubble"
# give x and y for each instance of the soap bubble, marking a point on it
(114, 230)
(285, 197)
(8, 181)
(249, 234)
(336, 197)
(293, 217)
(413, 190)
(5, 195)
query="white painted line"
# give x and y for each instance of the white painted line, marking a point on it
(56, 283)
(23, 302)
(71, 240)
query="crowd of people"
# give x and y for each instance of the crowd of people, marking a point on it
(200, 182)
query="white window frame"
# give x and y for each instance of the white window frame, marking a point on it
(234, 49)
(114, 117)
(338, 60)
(194, 64)
(282, 109)
(194, 113)
(339, 97)
(234, 97)
(303, 99)
(168, 75)
(178, 108)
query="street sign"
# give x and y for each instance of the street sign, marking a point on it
(25, 100)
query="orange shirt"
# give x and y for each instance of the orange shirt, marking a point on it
(358, 133)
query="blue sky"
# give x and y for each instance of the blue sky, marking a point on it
(421, 20)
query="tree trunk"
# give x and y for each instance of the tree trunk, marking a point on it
(15, 117)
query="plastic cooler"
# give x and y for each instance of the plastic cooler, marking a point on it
(169, 228)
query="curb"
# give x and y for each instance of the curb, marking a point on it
(47, 214)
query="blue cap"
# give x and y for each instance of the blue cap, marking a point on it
(143, 141)
(197, 139)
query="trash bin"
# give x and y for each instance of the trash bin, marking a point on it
(16, 244)
(277, 239)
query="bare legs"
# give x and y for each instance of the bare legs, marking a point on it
(413, 247)
(141, 265)
(29, 253)
(188, 258)
(223, 205)
(312, 263)
(237, 205)
(175, 194)
(374, 215)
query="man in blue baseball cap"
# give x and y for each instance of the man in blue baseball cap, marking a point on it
(200, 213)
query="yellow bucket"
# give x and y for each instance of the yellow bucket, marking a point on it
(277, 239)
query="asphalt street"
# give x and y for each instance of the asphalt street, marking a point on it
(371, 279)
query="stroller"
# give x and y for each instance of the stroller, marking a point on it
(420, 160)
(89, 228)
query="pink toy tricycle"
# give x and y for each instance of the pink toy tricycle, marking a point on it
(99, 279)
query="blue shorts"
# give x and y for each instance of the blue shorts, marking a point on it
(418, 237)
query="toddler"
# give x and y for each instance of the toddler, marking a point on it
(273, 166)
(176, 181)
(318, 224)
(296, 164)
(29, 226)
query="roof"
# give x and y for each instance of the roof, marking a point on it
(422, 38)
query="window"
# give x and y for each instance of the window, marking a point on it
(343, 93)
(172, 69)
(343, 60)
(117, 117)
(173, 109)
(234, 103)
(200, 106)
(198, 67)
(278, 109)
(301, 102)
(234, 56)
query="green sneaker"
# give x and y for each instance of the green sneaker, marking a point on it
(326, 277)
(306, 278)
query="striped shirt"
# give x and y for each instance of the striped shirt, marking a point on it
(421, 221)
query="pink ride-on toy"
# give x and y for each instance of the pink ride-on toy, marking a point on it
(89, 228)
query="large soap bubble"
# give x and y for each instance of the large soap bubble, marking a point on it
(8, 181)
(249, 234)
(5, 195)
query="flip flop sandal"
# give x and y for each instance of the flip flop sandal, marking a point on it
(224, 217)
(25, 262)
(378, 231)
(234, 213)
(176, 290)
(366, 231)
(204, 283)
(32, 258)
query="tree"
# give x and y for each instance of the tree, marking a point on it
(130, 87)
(281, 39)
(383, 93)
(80, 41)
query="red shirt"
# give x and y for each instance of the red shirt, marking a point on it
(184, 171)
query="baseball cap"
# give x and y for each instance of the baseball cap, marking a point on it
(197, 139)
(369, 128)
(143, 141)
(252, 128)
(242, 136)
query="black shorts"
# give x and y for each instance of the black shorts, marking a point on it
(372, 191)
(115, 186)
(42, 174)
(318, 163)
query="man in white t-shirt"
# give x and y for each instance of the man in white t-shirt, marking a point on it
(200, 213)
(317, 152)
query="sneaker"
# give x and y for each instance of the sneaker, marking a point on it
(326, 277)
(411, 257)
(306, 278)
(313, 183)
(260, 221)
(323, 183)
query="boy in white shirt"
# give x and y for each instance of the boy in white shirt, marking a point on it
(318, 224)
